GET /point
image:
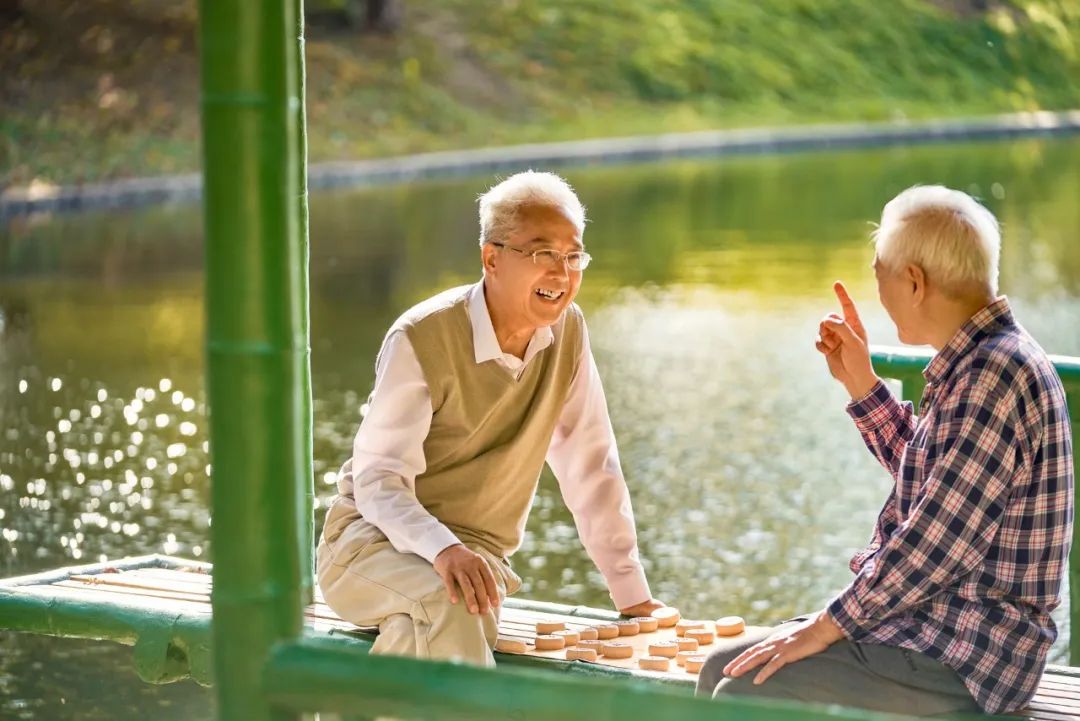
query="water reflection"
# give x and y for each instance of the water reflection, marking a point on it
(749, 483)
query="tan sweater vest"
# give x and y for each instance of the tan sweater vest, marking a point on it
(489, 433)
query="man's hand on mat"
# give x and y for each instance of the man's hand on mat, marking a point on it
(808, 638)
(467, 576)
(645, 608)
(842, 340)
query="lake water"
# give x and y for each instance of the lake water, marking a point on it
(750, 485)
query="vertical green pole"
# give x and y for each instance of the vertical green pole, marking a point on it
(911, 388)
(305, 471)
(255, 340)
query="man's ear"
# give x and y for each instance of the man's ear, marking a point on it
(917, 278)
(488, 254)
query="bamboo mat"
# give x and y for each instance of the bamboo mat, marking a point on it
(187, 590)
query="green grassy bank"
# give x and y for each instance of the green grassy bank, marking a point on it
(109, 88)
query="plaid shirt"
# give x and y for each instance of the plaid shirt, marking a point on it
(968, 555)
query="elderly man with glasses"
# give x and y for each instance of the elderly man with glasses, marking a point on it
(474, 390)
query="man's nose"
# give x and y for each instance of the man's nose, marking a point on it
(561, 267)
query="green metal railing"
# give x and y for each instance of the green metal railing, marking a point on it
(906, 366)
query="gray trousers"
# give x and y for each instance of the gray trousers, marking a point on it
(862, 675)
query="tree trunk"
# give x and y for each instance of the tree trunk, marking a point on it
(383, 16)
(10, 11)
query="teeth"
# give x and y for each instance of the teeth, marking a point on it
(549, 294)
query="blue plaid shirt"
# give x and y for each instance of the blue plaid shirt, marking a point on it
(968, 555)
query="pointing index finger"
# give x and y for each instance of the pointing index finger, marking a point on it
(851, 314)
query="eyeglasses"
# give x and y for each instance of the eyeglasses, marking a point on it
(576, 260)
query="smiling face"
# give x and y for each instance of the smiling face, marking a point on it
(523, 294)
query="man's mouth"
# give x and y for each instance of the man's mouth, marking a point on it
(550, 294)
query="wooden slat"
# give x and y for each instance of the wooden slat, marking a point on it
(165, 577)
(1056, 706)
(132, 591)
(121, 596)
(125, 581)
(1044, 714)
(1062, 682)
(124, 590)
(1058, 693)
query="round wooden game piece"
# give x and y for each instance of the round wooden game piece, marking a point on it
(617, 649)
(589, 634)
(667, 649)
(607, 631)
(646, 624)
(681, 627)
(510, 645)
(730, 626)
(581, 654)
(654, 663)
(687, 644)
(680, 658)
(594, 644)
(702, 635)
(667, 616)
(695, 662)
(628, 628)
(549, 643)
(570, 637)
(546, 627)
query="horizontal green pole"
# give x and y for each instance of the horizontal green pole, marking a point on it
(908, 363)
(168, 646)
(314, 675)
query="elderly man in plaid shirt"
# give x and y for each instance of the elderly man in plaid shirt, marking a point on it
(949, 610)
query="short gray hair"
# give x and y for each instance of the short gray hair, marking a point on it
(500, 206)
(947, 233)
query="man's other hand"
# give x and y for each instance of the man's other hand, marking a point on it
(467, 576)
(807, 639)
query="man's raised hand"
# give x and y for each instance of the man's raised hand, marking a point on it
(842, 340)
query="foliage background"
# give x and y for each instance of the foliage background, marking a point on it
(109, 88)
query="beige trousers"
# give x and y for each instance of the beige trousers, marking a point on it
(368, 582)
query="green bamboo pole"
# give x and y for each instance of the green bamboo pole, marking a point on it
(318, 675)
(305, 471)
(255, 342)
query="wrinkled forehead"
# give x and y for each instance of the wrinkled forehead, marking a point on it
(546, 227)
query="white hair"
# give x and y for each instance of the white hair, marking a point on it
(947, 233)
(500, 206)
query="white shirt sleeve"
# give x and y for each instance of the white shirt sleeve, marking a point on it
(585, 460)
(388, 454)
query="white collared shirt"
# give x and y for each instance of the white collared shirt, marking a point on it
(388, 455)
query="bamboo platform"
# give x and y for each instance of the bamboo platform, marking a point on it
(161, 606)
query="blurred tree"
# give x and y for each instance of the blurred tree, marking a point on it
(10, 10)
(384, 16)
